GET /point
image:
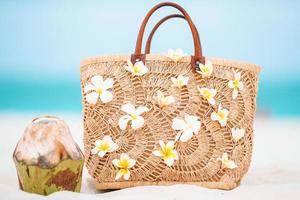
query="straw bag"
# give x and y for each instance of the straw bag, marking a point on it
(167, 119)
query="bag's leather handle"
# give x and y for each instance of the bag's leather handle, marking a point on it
(150, 37)
(195, 60)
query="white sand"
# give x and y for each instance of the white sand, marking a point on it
(274, 172)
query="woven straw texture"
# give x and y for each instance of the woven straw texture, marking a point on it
(197, 162)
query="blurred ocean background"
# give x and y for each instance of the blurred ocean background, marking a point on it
(43, 42)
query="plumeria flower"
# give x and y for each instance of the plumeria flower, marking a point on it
(226, 163)
(167, 152)
(99, 88)
(138, 69)
(221, 115)
(176, 55)
(206, 70)
(188, 126)
(133, 116)
(180, 81)
(208, 94)
(236, 84)
(163, 101)
(124, 164)
(237, 133)
(103, 146)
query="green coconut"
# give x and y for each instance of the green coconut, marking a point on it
(47, 159)
(65, 176)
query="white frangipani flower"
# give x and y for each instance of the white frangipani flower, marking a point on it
(226, 163)
(237, 133)
(175, 55)
(123, 164)
(206, 70)
(163, 101)
(208, 94)
(167, 152)
(103, 146)
(236, 84)
(188, 126)
(133, 116)
(180, 81)
(138, 69)
(99, 88)
(221, 115)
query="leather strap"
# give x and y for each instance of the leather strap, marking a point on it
(195, 60)
(150, 37)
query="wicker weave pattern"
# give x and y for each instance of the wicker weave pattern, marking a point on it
(197, 158)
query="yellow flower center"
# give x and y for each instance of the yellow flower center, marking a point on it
(176, 56)
(180, 83)
(188, 126)
(123, 171)
(136, 69)
(163, 102)
(99, 91)
(104, 146)
(205, 69)
(134, 117)
(221, 115)
(167, 152)
(207, 94)
(236, 83)
(225, 162)
(123, 164)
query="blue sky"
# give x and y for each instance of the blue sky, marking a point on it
(44, 41)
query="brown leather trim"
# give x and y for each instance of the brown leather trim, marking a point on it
(197, 45)
(140, 57)
(149, 40)
(150, 37)
(195, 64)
